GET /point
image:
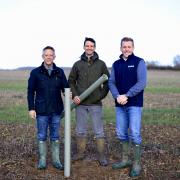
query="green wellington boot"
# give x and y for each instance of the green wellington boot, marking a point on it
(136, 168)
(125, 158)
(55, 155)
(81, 146)
(42, 155)
(101, 149)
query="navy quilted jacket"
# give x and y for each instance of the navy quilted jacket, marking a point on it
(44, 90)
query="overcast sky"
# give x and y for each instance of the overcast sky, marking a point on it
(27, 26)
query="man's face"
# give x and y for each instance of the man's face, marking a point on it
(48, 56)
(89, 48)
(127, 48)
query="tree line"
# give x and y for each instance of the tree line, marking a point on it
(155, 64)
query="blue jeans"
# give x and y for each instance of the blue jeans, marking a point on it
(44, 122)
(128, 123)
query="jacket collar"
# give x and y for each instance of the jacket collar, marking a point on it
(129, 57)
(93, 58)
(43, 67)
(45, 71)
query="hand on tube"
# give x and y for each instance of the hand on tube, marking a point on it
(76, 100)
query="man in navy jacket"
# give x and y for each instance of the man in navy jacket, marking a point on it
(45, 85)
(127, 82)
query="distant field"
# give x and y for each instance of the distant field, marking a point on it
(160, 132)
(161, 106)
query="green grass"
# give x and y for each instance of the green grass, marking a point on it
(109, 115)
(19, 113)
(20, 85)
(13, 105)
(161, 90)
(150, 116)
(166, 116)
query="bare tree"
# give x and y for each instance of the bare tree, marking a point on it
(152, 64)
(176, 61)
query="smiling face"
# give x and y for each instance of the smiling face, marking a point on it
(89, 48)
(127, 48)
(48, 57)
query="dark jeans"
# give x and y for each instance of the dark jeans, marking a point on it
(44, 122)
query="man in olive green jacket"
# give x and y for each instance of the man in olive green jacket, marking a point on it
(83, 74)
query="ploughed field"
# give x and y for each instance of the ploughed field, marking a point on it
(160, 132)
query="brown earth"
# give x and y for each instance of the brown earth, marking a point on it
(18, 155)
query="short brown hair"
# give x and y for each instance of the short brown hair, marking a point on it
(91, 40)
(127, 39)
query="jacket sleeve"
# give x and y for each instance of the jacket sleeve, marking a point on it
(64, 82)
(105, 88)
(112, 84)
(72, 80)
(31, 91)
(141, 80)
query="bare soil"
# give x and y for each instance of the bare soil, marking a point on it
(19, 155)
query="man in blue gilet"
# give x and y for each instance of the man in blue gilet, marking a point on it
(127, 82)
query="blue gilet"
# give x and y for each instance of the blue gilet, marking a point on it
(126, 77)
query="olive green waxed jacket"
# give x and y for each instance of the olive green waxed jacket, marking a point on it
(83, 74)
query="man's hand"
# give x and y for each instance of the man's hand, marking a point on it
(32, 114)
(76, 100)
(122, 99)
